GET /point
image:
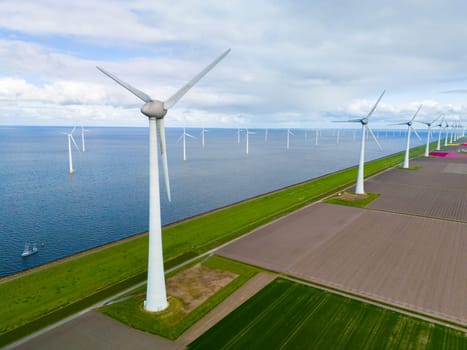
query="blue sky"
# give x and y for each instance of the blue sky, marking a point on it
(297, 64)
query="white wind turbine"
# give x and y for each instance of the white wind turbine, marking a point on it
(316, 137)
(155, 110)
(409, 123)
(70, 157)
(203, 131)
(83, 146)
(359, 189)
(248, 140)
(266, 135)
(440, 125)
(183, 137)
(428, 135)
(288, 137)
(238, 135)
(446, 134)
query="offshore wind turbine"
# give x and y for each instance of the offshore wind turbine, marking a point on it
(316, 137)
(203, 131)
(238, 135)
(288, 137)
(183, 137)
(83, 146)
(70, 157)
(266, 135)
(359, 188)
(155, 110)
(409, 124)
(248, 140)
(428, 134)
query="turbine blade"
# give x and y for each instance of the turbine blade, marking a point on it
(416, 133)
(426, 123)
(179, 139)
(171, 101)
(404, 123)
(141, 95)
(73, 130)
(348, 121)
(374, 137)
(187, 134)
(74, 142)
(418, 110)
(436, 119)
(376, 104)
(161, 133)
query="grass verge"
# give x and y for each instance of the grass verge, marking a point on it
(56, 288)
(359, 201)
(316, 319)
(172, 322)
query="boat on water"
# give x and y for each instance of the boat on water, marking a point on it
(28, 250)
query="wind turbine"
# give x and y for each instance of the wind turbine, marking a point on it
(202, 136)
(248, 140)
(428, 134)
(82, 139)
(440, 125)
(155, 110)
(266, 135)
(446, 134)
(359, 189)
(288, 137)
(238, 135)
(337, 136)
(70, 158)
(409, 123)
(183, 137)
(316, 137)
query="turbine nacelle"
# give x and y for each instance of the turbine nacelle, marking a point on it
(364, 121)
(154, 109)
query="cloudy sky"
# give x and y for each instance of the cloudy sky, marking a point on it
(293, 63)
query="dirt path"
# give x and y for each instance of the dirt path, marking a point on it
(226, 307)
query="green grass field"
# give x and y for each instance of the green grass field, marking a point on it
(42, 297)
(288, 315)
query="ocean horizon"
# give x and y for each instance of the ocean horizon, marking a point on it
(106, 199)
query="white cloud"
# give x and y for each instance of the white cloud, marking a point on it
(290, 63)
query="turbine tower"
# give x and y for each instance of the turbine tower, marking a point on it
(155, 110)
(202, 136)
(409, 123)
(248, 140)
(183, 137)
(428, 134)
(288, 137)
(82, 140)
(359, 189)
(440, 125)
(70, 157)
(446, 134)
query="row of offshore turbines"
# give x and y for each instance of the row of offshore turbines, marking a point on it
(156, 110)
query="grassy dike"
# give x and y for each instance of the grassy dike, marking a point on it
(37, 299)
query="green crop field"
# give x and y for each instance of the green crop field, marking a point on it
(37, 299)
(288, 315)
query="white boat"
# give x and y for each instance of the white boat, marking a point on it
(28, 250)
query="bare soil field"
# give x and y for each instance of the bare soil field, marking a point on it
(413, 262)
(196, 284)
(438, 189)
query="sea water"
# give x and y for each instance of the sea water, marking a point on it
(106, 199)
